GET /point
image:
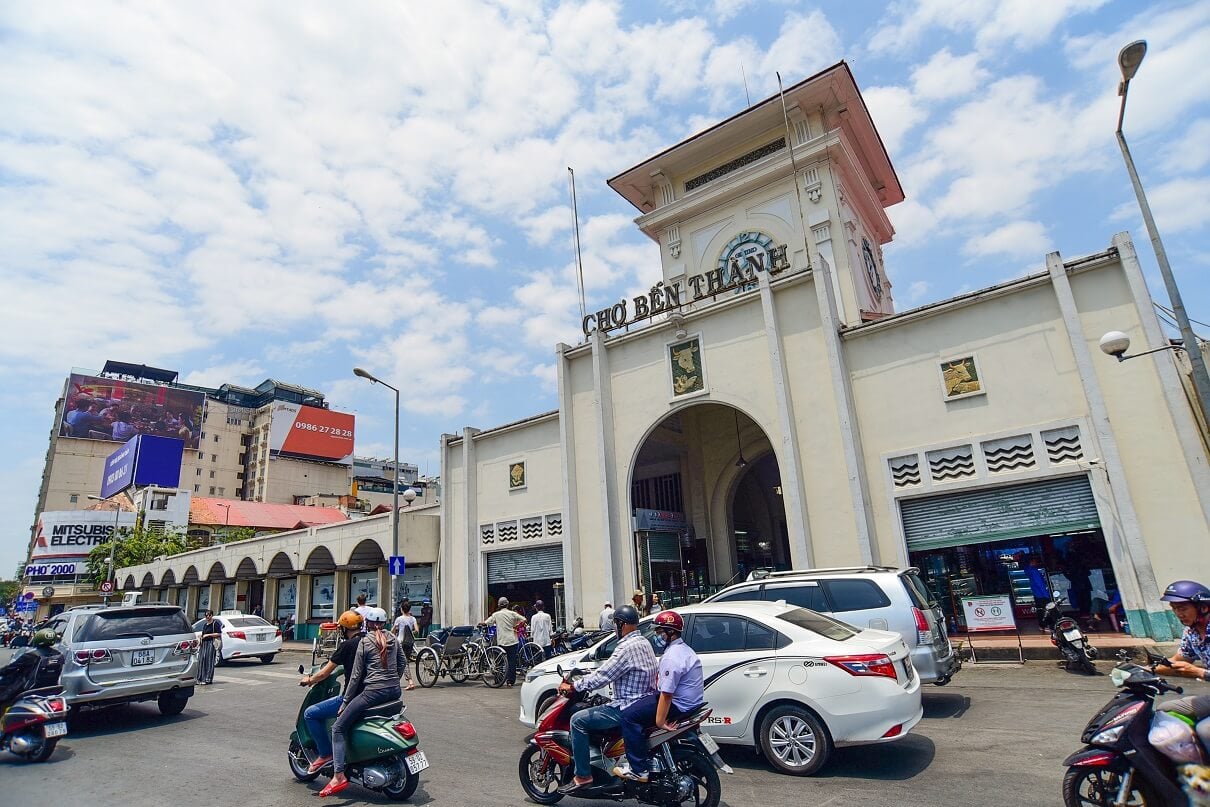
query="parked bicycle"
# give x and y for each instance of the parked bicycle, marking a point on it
(445, 656)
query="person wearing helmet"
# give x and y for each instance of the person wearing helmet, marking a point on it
(506, 621)
(377, 667)
(680, 690)
(37, 665)
(317, 715)
(631, 669)
(1190, 601)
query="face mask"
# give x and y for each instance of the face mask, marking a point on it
(661, 641)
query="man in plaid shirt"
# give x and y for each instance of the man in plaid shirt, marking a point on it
(632, 669)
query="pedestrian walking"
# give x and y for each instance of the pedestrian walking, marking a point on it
(541, 628)
(212, 643)
(406, 628)
(426, 617)
(507, 621)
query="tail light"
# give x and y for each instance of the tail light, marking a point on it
(924, 634)
(57, 704)
(893, 731)
(97, 656)
(238, 634)
(186, 647)
(278, 634)
(406, 730)
(878, 665)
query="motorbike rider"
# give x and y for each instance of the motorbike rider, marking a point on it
(37, 666)
(317, 714)
(631, 669)
(1190, 601)
(680, 691)
(377, 667)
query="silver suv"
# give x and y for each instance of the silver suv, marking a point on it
(126, 654)
(879, 597)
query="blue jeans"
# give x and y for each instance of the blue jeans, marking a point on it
(348, 718)
(316, 717)
(598, 718)
(637, 718)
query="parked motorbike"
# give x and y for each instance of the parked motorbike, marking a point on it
(383, 752)
(682, 766)
(1066, 635)
(1119, 766)
(34, 724)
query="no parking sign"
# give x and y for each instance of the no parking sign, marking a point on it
(994, 612)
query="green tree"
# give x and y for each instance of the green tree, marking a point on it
(134, 546)
(9, 589)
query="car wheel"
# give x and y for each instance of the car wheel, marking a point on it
(172, 702)
(794, 740)
(544, 703)
(267, 659)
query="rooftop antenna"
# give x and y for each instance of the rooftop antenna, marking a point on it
(745, 76)
(575, 217)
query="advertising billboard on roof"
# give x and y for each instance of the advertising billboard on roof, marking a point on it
(111, 409)
(145, 460)
(311, 432)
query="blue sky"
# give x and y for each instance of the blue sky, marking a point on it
(288, 190)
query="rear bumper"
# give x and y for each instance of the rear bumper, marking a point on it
(251, 649)
(936, 664)
(79, 689)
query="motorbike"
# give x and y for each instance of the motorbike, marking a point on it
(383, 752)
(34, 724)
(1118, 765)
(1066, 635)
(682, 766)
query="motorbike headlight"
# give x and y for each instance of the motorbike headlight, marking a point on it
(1108, 736)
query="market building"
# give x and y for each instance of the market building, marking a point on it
(766, 406)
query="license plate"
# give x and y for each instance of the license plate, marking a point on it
(908, 669)
(1073, 636)
(416, 762)
(141, 657)
(55, 729)
(261, 637)
(708, 743)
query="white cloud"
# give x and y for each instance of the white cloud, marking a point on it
(1191, 151)
(1020, 23)
(916, 291)
(947, 76)
(1178, 205)
(895, 112)
(1017, 239)
(247, 372)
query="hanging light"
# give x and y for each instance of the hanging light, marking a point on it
(741, 462)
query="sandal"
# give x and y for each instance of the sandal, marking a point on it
(333, 788)
(318, 765)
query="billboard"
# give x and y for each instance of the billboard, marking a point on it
(144, 460)
(67, 536)
(311, 432)
(110, 409)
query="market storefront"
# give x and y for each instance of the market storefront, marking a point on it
(1028, 541)
(524, 576)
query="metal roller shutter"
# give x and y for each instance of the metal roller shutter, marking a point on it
(519, 565)
(663, 547)
(999, 514)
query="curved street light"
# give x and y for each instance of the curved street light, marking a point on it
(368, 376)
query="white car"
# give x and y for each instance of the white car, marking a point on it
(245, 636)
(792, 682)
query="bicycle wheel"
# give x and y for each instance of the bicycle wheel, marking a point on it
(428, 667)
(493, 670)
(528, 655)
(475, 660)
(457, 668)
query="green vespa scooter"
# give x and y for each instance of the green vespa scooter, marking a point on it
(383, 750)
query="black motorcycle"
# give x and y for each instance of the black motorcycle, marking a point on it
(34, 724)
(1066, 635)
(1119, 766)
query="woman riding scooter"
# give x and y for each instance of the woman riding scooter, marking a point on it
(377, 667)
(318, 714)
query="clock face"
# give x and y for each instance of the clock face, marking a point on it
(745, 251)
(871, 269)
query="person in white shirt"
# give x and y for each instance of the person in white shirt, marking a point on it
(541, 628)
(606, 620)
(406, 628)
(362, 609)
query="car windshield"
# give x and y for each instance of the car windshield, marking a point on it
(818, 623)
(248, 622)
(130, 623)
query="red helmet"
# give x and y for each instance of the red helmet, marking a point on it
(670, 620)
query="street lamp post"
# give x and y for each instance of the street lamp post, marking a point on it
(113, 540)
(1129, 60)
(359, 372)
(226, 517)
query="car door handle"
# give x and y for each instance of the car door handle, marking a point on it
(755, 672)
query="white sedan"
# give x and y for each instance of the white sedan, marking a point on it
(789, 681)
(245, 636)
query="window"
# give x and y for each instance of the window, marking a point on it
(744, 595)
(323, 591)
(646, 628)
(211, 473)
(202, 435)
(804, 595)
(134, 623)
(197, 488)
(201, 455)
(214, 457)
(228, 597)
(287, 596)
(760, 637)
(247, 622)
(74, 498)
(818, 623)
(854, 595)
(212, 490)
(199, 472)
(203, 600)
(216, 438)
(221, 491)
(716, 634)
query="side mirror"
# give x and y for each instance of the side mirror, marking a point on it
(301, 670)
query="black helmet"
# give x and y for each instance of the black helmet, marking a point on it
(626, 615)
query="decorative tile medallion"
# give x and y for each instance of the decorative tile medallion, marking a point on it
(688, 375)
(516, 475)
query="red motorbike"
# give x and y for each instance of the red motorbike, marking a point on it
(682, 765)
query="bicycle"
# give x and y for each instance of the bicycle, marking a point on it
(445, 655)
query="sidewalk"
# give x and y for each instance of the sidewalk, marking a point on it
(1035, 645)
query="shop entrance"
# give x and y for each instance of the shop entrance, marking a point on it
(524, 576)
(705, 499)
(1028, 541)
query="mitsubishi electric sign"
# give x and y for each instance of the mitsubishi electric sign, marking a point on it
(64, 538)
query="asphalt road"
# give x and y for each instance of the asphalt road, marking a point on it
(995, 736)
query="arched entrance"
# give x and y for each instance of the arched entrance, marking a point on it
(706, 503)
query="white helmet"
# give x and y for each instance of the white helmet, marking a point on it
(376, 615)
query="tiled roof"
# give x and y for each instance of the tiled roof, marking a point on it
(259, 515)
